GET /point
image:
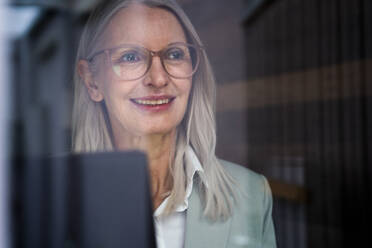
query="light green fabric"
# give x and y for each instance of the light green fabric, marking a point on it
(251, 224)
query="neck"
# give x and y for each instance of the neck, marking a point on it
(159, 149)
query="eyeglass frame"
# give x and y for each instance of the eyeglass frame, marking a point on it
(108, 51)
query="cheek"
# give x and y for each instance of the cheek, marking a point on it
(104, 77)
(187, 89)
(184, 86)
(110, 87)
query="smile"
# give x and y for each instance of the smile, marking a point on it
(152, 102)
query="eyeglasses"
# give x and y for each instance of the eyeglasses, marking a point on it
(131, 62)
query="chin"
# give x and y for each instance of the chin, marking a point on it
(158, 130)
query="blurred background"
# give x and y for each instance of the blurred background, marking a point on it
(294, 103)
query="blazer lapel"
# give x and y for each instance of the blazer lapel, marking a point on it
(200, 232)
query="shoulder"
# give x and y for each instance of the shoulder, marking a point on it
(238, 170)
(252, 214)
(253, 185)
(244, 175)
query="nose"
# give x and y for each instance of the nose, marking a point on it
(157, 76)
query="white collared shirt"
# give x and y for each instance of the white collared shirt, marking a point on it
(170, 230)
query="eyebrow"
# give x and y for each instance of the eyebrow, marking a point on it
(90, 58)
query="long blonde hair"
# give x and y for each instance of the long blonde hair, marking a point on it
(92, 131)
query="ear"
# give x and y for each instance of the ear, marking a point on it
(87, 76)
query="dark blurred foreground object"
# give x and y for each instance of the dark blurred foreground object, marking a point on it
(86, 200)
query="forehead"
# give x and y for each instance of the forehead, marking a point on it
(152, 28)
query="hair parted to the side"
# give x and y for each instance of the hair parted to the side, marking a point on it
(91, 125)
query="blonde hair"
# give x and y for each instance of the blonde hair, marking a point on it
(92, 131)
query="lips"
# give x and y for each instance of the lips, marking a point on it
(153, 100)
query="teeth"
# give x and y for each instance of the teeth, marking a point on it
(152, 102)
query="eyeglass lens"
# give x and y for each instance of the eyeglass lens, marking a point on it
(129, 63)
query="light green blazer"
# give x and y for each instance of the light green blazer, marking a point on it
(251, 224)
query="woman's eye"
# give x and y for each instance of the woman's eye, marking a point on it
(130, 57)
(175, 54)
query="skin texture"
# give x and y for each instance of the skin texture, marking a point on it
(133, 127)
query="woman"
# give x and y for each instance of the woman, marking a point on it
(143, 81)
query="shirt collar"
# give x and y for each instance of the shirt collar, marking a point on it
(192, 165)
